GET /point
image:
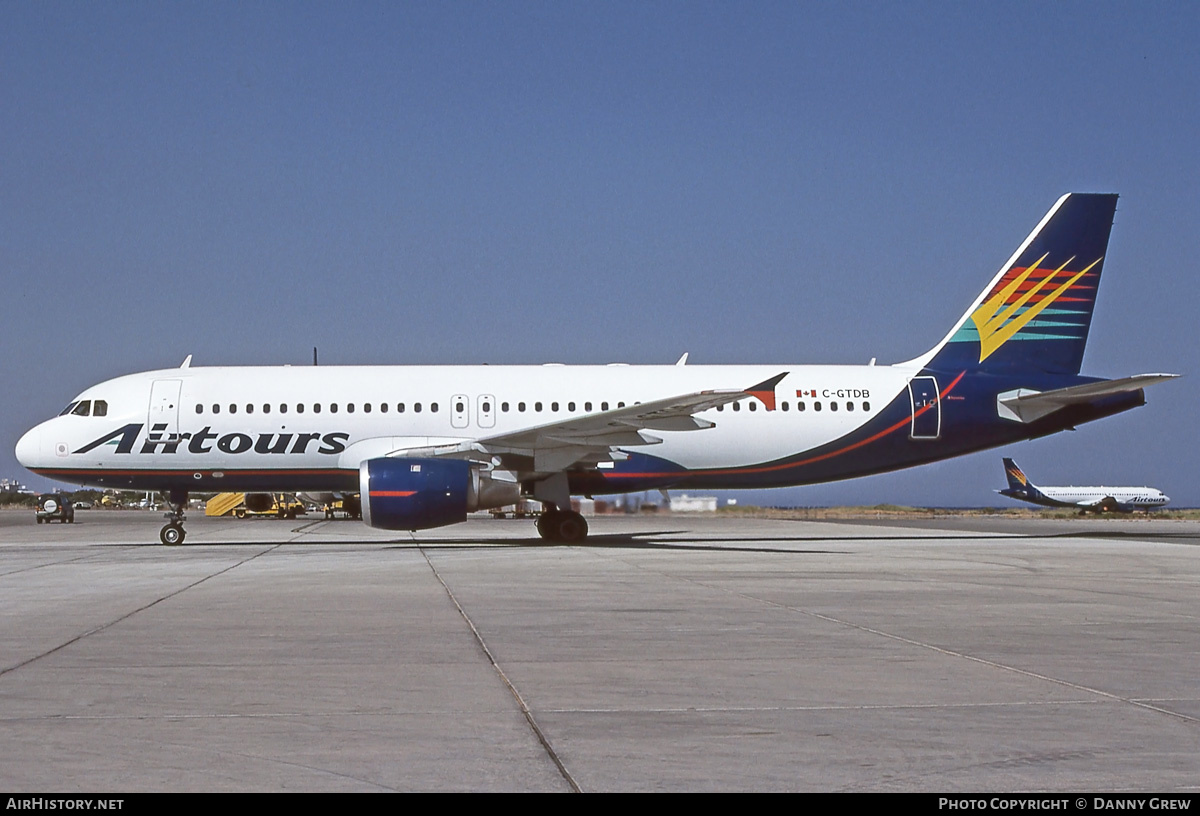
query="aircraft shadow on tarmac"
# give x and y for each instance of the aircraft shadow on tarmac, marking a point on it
(663, 540)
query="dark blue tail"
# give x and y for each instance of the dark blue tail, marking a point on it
(1036, 312)
(1019, 485)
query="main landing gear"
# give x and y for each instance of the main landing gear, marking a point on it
(556, 524)
(564, 526)
(172, 533)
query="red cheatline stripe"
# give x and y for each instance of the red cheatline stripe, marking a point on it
(401, 493)
(770, 468)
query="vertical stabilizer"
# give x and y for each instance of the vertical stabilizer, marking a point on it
(1017, 480)
(1019, 486)
(1036, 312)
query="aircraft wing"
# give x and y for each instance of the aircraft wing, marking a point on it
(1026, 405)
(592, 438)
(1106, 503)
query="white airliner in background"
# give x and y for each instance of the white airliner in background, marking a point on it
(423, 446)
(1100, 499)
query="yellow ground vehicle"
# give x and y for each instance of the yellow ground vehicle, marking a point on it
(348, 506)
(276, 505)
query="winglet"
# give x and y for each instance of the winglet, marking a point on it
(765, 390)
(187, 363)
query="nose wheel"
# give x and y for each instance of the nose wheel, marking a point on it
(172, 533)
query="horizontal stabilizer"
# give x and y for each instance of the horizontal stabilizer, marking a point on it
(1026, 405)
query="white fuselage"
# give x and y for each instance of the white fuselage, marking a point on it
(1122, 497)
(225, 422)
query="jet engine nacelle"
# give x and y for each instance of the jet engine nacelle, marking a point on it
(260, 502)
(416, 494)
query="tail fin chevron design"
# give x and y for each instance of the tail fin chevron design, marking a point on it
(1036, 312)
(1016, 478)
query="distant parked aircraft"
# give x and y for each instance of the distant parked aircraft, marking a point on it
(1099, 499)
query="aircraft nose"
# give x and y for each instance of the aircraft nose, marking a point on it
(29, 447)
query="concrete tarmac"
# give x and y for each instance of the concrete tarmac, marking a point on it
(671, 653)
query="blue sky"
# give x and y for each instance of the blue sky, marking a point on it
(592, 182)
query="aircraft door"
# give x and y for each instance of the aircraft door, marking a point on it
(926, 408)
(163, 416)
(460, 413)
(486, 413)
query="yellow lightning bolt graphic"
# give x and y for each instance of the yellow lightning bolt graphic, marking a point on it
(996, 327)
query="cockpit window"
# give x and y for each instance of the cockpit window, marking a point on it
(67, 410)
(83, 408)
(100, 408)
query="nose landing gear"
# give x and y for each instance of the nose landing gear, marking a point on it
(172, 533)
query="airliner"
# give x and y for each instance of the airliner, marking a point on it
(424, 446)
(1100, 499)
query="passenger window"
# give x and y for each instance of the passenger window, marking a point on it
(866, 406)
(753, 405)
(587, 406)
(620, 405)
(521, 407)
(367, 408)
(784, 406)
(604, 406)
(300, 408)
(537, 406)
(333, 409)
(84, 408)
(216, 408)
(433, 407)
(849, 406)
(266, 407)
(349, 407)
(504, 407)
(487, 407)
(816, 406)
(100, 408)
(400, 408)
(232, 408)
(570, 406)
(199, 408)
(249, 408)
(737, 406)
(833, 406)
(721, 407)
(283, 407)
(417, 407)
(554, 406)
(459, 407)
(316, 407)
(383, 407)
(799, 406)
